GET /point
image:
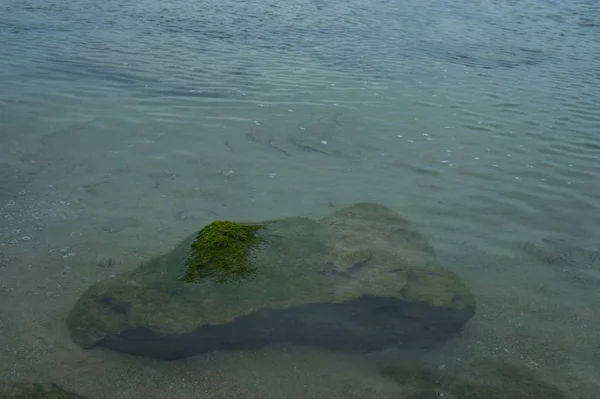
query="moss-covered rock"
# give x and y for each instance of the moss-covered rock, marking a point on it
(484, 379)
(222, 251)
(35, 390)
(360, 279)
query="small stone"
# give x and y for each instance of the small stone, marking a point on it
(104, 261)
(117, 225)
(181, 215)
(64, 251)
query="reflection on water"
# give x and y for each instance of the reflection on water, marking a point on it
(126, 126)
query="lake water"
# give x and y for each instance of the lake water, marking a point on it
(124, 126)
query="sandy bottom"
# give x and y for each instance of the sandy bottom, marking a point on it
(550, 327)
(61, 223)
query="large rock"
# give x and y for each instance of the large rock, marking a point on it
(360, 279)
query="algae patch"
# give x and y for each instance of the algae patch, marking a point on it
(222, 250)
(489, 379)
(34, 390)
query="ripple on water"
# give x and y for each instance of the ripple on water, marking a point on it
(495, 100)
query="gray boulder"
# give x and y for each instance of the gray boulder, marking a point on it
(361, 279)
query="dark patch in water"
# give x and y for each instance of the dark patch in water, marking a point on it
(490, 58)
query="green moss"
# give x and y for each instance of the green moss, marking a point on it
(489, 380)
(32, 390)
(221, 251)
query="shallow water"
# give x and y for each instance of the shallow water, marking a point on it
(126, 126)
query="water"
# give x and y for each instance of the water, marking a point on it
(126, 125)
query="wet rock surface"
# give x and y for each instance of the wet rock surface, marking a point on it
(360, 279)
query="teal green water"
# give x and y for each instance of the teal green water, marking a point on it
(124, 126)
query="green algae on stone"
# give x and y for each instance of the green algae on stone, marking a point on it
(221, 250)
(35, 390)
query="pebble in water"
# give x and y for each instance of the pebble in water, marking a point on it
(104, 261)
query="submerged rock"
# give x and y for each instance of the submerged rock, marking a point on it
(360, 279)
(483, 378)
(35, 390)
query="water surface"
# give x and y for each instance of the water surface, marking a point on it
(124, 126)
